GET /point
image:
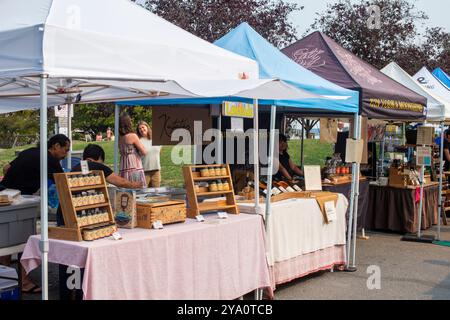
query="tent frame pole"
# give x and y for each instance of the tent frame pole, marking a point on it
(356, 197)
(302, 148)
(44, 244)
(116, 138)
(352, 197)
(441, 174)
(422, 178)
(256, 153)
(273, 114)
(219, 139)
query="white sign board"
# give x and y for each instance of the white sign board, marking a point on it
(313, 179)
(354, 151)
(237, 124)
(61, 111)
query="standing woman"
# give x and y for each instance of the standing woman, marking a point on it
(131, 150)
(151, 161)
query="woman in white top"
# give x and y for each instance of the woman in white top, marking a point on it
(151, 161)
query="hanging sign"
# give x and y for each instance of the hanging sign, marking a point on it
(423, 156)
(238, 109)
(425, 136)
(61, 111)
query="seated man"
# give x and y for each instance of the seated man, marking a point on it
(24, 172)
(286, 167)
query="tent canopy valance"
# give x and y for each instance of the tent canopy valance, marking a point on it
(380, 96)
(437, 108)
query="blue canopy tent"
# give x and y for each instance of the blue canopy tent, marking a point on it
(273, 64)
(442, 76)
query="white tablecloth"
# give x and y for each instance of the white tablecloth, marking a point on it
(296, 227)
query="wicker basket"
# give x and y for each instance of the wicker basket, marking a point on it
(166, 212)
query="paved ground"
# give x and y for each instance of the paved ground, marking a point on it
(408, 271)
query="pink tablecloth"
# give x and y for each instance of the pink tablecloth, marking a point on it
(216, 259)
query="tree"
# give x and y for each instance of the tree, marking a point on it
(98, 117)
(397, 39)
(211, 19)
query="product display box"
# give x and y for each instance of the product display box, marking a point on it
(125, 208)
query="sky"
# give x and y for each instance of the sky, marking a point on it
(437, 11)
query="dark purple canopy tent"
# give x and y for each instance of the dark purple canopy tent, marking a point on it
(380, 96)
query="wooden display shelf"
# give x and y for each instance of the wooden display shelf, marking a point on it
(72, 231)
(92, 206)
(210, 178)
(212, 193)
(195, 207)
(211, 206)
(85, 188)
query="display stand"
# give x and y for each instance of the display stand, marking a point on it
(420, 237)
(72, 230)
(192, 176)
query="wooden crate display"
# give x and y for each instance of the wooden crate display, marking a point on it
(192, 176)
(73, 228)
(167, 212)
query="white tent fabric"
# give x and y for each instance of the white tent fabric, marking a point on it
(68, 38)
(433, 85)
(88, 59)
(437, 109)
(23, 93)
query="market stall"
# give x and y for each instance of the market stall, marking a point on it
(380, 96)
(334, 100)
(115, 62)
(400, 219)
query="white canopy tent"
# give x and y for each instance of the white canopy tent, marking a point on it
(437, 108)
(433, 85)
(65, 51)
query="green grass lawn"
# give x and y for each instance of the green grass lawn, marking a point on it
(315, 154)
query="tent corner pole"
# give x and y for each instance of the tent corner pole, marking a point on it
(219, 140)
(441, 174)
(116, 140)
(302, 145)
(422, 178)
(356, 201)
(69, 131)
(256, 154)
(273, 114)
(44, 244)
(352, 200)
